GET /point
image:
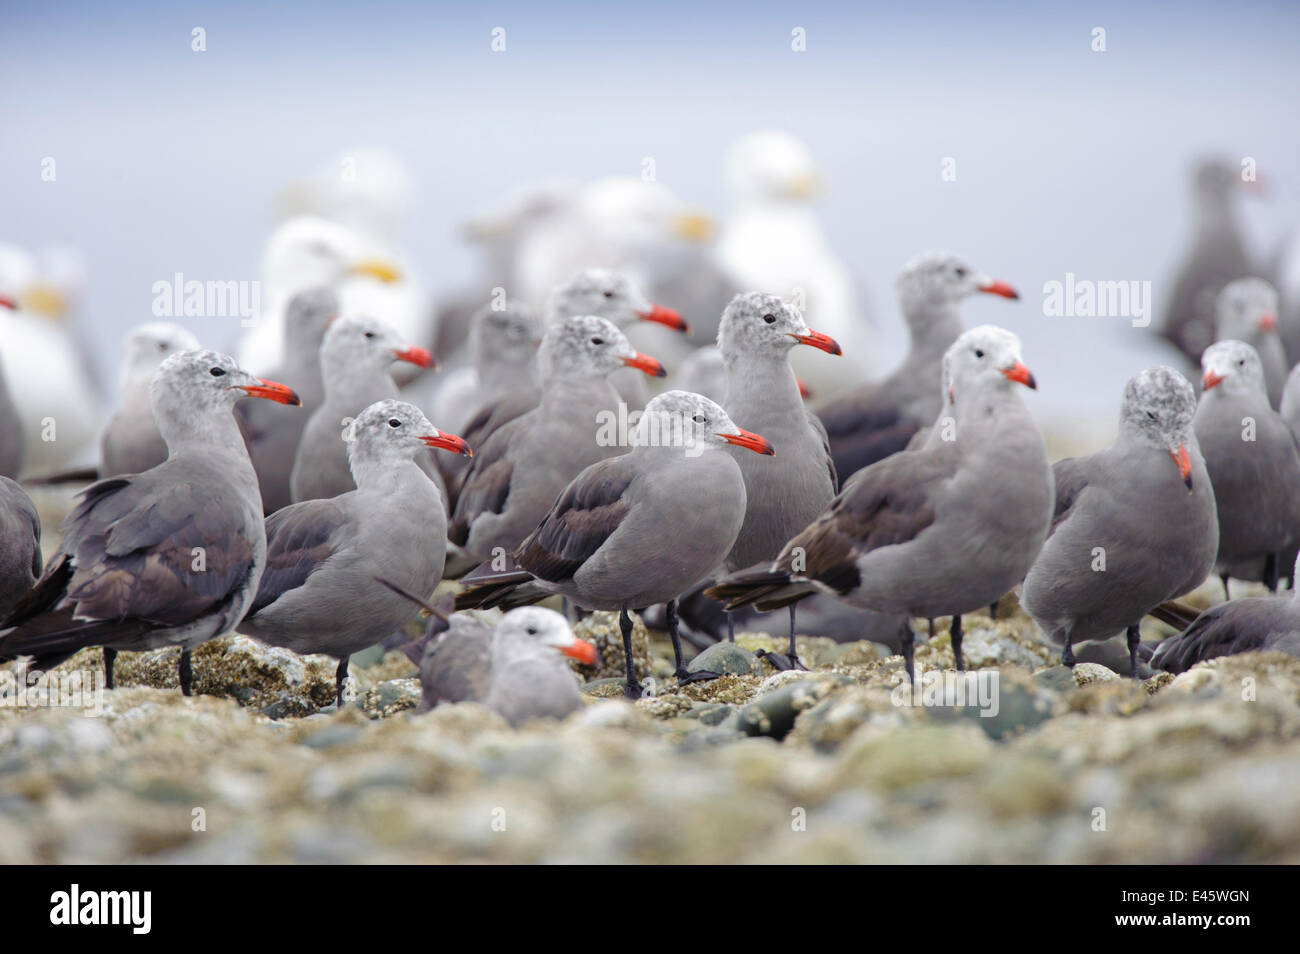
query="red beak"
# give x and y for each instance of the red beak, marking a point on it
(1021, 375)
(1212, 380)
(755, 442)
(7, 302)
(1184, 462)
(272, 391)
(582, 651)
(643, 362)
(804, 391)
(818, 340)
(995, 287)
(415, 356)
(448, 442)
(665, 316)
(1268, 322)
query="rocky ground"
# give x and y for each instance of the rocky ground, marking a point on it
(830, 765)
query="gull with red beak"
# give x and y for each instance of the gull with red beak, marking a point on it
(611, 540)
(319, 593)
(879, 418)
(169, 557)
(1246, 310)
(1134, 524)
(1253, 463)
(274, 433)
(516, 666)
(938, 531)
(524, 464)
(787, 492)
(355, 359)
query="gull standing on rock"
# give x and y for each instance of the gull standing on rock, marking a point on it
(639, 529)
(355, 358)
(169, 557)
(1253, 463)
(939, 531)
(1134, 524)
(786, 492)
(318, 593)
(879, 418)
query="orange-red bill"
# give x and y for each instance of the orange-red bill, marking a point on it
(273, 391)
(1021, 375)
(663, 315)
(7, 302)
(449, 442)
(581, 650)
(415, 356)
(995, 287)
(818, 340)
(1268, 322)
(1184, 462)
(643, 362)
(755, 442)
(1212, 380)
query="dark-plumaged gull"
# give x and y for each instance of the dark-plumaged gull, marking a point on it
(318, 593)
(788, 491)
(938, 531)
(1254, 624)
(1217, 256)
(879, 418)
(131, 443)
(1253, 463)
(640, 529)
(355, 358)
(525, 464)
(1134, 524)
(1247, 311)
(516, 667)
(20, 544)
(274, 433)
(169, 557)
(11, 424)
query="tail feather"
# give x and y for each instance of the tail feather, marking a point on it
(53, 637)
(1176, 614)
(79, 475)
(765, 589)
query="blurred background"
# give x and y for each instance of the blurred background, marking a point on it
(1067, 160)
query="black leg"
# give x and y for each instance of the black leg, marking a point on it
(110, 656)
(683, 675)
(932, 627)
(1134, 638)
(955, 632)
(908, 640)
(1270, 572)
(788, 660)
(633, 690)
(993, 611)
(1067, 654)
(187, 673)
(731, 627)
(341, 680)
(1226, 594)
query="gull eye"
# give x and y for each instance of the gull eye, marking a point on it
(532, 630)
(394, 422)
(979, 352)
(370, 334)
(216, 372)
(1241, 363)
(960, 272)
(608, 294)
(769, 318)
(597, 340)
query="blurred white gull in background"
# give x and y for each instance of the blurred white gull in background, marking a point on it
(772, 242)
(53, 392)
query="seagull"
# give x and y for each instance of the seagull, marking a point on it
(169, 557)
(879, 418)
(20, 544)
(938, 531)
(1134, 524)
(639, 529)
(1247, 311)
(318, 593)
